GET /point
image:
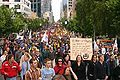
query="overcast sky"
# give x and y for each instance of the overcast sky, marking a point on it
(56, 9)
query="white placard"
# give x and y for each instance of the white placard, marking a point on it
(81, 46)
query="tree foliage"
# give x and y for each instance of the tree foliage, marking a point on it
(36, 23)
(114, 9)
(5, 19)
(11, 21)
(99, 16)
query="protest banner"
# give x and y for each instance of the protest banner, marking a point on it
(81, 46)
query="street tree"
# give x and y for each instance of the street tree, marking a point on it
(5, 20)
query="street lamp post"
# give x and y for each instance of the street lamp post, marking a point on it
(65, 22)
(40, 24)
(94, 31)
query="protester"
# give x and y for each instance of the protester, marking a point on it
(10, 68)
(47, 72)
(91, 68)
(58, 77)
(3, 57)
(18, 54)
(101, 68)
(22, 57)
(116, 73)
(25, 66)
(110, 66)
(68, 73)
(52, 56)
(34, 73)
(56, 47)
(59, 67)
(8, 50)
(45, 52)
(67, 61)
(59, 53)
(79, 68)
(117, 59)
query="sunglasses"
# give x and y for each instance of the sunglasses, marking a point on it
(59, 61)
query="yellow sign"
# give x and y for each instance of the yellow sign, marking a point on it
(81, 46)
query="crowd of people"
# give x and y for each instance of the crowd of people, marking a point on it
(31, 59)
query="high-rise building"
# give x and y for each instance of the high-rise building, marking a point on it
(46, 10)
(71, 4)
(45, 6)
(22, 6)
(65, 8)
(36, 7)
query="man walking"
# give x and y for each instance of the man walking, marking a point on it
(10, 68)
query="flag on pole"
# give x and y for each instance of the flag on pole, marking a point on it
(95, 46)
(18, 36)
(30, 36)
(115, 45)
(45, 37)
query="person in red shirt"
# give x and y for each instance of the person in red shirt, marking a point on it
(60, 67)
(10, 68)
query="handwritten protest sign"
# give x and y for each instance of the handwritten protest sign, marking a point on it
(81, 46)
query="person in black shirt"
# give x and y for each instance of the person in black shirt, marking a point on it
(116, 73)
(79, 68)
(101, 68)
(110, 66)
(91, 68)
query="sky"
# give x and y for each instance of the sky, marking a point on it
(65, 1)
(56, 9)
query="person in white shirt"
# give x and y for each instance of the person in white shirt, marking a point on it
(3, 57)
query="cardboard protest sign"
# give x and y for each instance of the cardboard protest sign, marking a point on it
(81, 46)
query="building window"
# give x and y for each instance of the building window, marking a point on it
(5, 0)
(34, 6)
(69, 8)
(31, 6)
(34, 10)
(17, 0)
(70, 2)
(31, 1)
(70, 5)
(39, 10)
(17, 6)
(28, 4)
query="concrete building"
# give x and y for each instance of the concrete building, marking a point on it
(65, 8)
(36, 7)
(45, 6)
(71, 12)
(46, 10)
(22, 6)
